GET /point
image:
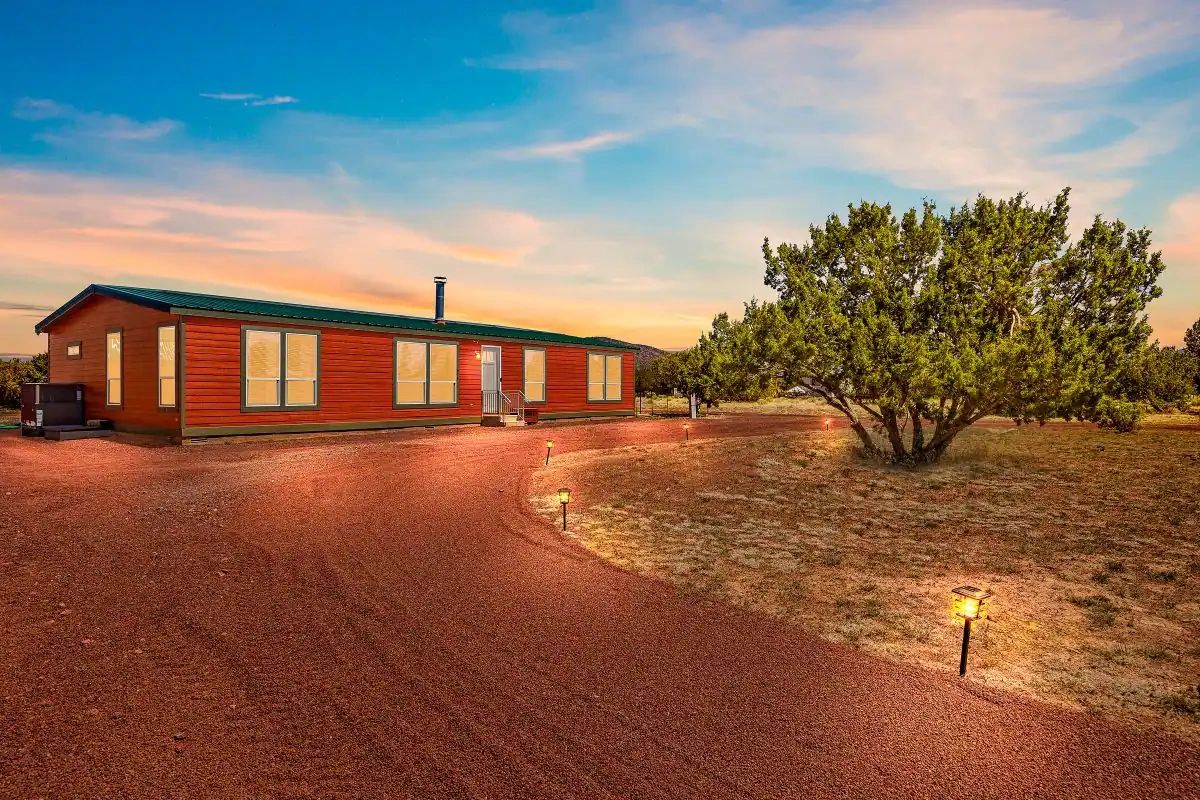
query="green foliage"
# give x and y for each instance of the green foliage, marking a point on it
(1191, 343)
(723, 364)
(915, 328)
(13, 373)
(1121, 415)
(659, 375)
(1163, 378)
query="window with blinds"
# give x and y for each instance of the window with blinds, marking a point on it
(113, 368)
(535, 375)
(426, 373)
(280, 369)
(166, 366)
(604, 377)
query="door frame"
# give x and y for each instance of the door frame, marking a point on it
(499, 387)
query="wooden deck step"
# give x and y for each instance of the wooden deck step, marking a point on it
(501, 420)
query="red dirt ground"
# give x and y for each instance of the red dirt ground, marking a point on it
(386, 616)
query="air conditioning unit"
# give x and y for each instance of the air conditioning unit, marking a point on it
(49, 404)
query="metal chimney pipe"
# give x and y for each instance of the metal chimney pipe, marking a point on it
(439, 301)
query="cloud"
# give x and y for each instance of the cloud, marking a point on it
(1178, 308)
(251, 99)
(251, 234)
(8, 305)
(228, 95)
(572, 149)
(274, 100)
(962, 96)
(80, 126)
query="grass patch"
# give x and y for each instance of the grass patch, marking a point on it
(1087, 539)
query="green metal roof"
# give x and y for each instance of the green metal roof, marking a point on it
(184, 302)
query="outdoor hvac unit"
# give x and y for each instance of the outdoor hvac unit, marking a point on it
(47, 404)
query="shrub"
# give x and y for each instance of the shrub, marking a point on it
(1121, 415)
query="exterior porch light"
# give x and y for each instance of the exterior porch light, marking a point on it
(564, 497)
(549, 446)
(969, 604)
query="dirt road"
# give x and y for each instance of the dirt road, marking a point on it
(385, 616)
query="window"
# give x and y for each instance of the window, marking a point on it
(443, 374)
(280, 369)
(604, 377)
(74, 350)
(426, 373)
(301, 386)
(166, 366)
(535, 375)
(112, 368)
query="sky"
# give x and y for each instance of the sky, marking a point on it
(592, 169)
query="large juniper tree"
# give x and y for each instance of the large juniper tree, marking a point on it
(915, 328)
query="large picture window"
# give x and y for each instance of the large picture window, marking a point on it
(280, 369)
(535, 375)
(604, 377)
(426, 373)
(113, 364)
(166, 366)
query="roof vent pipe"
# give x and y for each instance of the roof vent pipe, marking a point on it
(439, 300)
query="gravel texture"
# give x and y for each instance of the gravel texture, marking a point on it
(387, 616)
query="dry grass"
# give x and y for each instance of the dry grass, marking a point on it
(803, 406)
(1090, 542)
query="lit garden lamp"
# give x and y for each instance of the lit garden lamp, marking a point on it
(686, 435)
(968, 604)
(549, 445)
(564, 497)
(828, 423)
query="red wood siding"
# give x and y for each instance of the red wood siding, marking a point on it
(356, 372)
(88, 324)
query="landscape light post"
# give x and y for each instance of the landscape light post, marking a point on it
(549, 444)
(828, 422)
(686, 435)
(564, 497)
(968, 604)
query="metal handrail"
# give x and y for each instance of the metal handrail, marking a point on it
(497, 403)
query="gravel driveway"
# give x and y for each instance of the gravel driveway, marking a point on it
(386, 616)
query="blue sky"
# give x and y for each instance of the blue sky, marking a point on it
(605, 169)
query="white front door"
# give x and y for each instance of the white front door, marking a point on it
(489, 366)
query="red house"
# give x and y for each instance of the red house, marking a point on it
(190, 365)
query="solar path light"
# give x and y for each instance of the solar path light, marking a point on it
(564, 497)
(828, 423)
(549, 446)
(686, 436)
(969, 604)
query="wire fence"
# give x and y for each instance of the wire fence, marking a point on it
(663, 405)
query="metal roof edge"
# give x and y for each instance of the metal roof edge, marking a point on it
(115, 292)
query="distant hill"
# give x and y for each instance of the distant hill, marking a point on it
(645, 354)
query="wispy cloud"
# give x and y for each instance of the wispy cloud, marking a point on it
(512, 267)
(963, 96)
(1177, 309)
(8, 305)
(571, 149)
(71, 124)
(251, 98)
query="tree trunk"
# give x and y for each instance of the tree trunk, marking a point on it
(865, 436)
(918, 434)
(891, 424)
